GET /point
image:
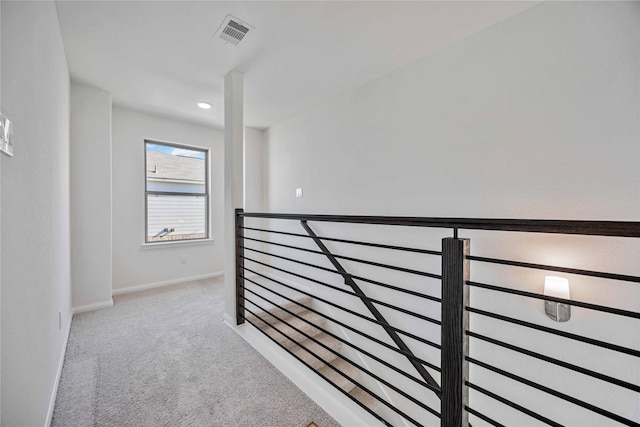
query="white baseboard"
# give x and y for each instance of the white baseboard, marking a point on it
(229, 320)
(342, 409)
(54, 392)
(147, 286)
(106, 304)
(92, 307)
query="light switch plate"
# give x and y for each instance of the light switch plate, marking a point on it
(6, 136)
(298, 192)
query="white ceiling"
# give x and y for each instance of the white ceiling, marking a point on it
(161, 57)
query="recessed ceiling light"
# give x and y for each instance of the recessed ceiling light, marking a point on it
(204, 105)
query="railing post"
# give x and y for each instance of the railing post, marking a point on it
(239, 267)
(455, 343)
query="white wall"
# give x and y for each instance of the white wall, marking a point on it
(0, 221)
(90, 196)
(35, 211)
(133, 265)
(254, 147)
(535, 117)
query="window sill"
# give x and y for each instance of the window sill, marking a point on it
(160, 245)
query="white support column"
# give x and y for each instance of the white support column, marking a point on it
(1, 109)
(233, 180)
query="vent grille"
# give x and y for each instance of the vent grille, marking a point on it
(232, 31)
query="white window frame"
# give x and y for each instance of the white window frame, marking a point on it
(206, 194)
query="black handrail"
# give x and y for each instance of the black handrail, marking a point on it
(454, 391)
(587, 228)
(372, 308)
(351, 242)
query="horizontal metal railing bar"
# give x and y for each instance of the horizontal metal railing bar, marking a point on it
(372, 412)
(302, 276)
(175, 193)
(569, 335)
(337, 354)
(408, 334)
(369, 305)
(344, 341)
(360, 349)
(591, 228)
(598, 375)
(382, 303)
(352, 242)
(513, 405)
(338, 306)
(362, 261)
(575, 303)
(483, 417)
(587, 228)
(362, 316)
(352, 276)
(554, 393)
(375, 396)
(577, 271)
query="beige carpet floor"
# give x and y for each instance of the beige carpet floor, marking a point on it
(166, 358)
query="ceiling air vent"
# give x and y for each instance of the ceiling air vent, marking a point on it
(233, 30)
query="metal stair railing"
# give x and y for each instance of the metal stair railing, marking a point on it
(454, 325)
(372, 308)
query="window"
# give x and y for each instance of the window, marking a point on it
(177, 192)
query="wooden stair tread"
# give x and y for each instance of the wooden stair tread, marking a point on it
(366, 399)
(280, 308)
(343, 366)
(291, 336)
(278, 304)
(322, 360)
(324, 356)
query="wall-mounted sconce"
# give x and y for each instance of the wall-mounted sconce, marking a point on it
(557, 287)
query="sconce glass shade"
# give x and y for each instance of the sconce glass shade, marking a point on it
(557, 287)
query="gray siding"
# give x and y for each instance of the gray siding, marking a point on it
(186, 214)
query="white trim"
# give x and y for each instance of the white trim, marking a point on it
(342, 409)
(209, 218)
(172, 244)
(229, 320)
(106, 304)
(54, 392)
(180, 280)
(176, 181)
(92, 307)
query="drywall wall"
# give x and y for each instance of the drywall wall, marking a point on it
(90, 160)
(535, 117)
(254, 145)
(35, 211)
(233, 176)
(0, 222)
(136, 265)
(539, 124)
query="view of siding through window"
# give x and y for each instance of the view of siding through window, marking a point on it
(176, 193)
